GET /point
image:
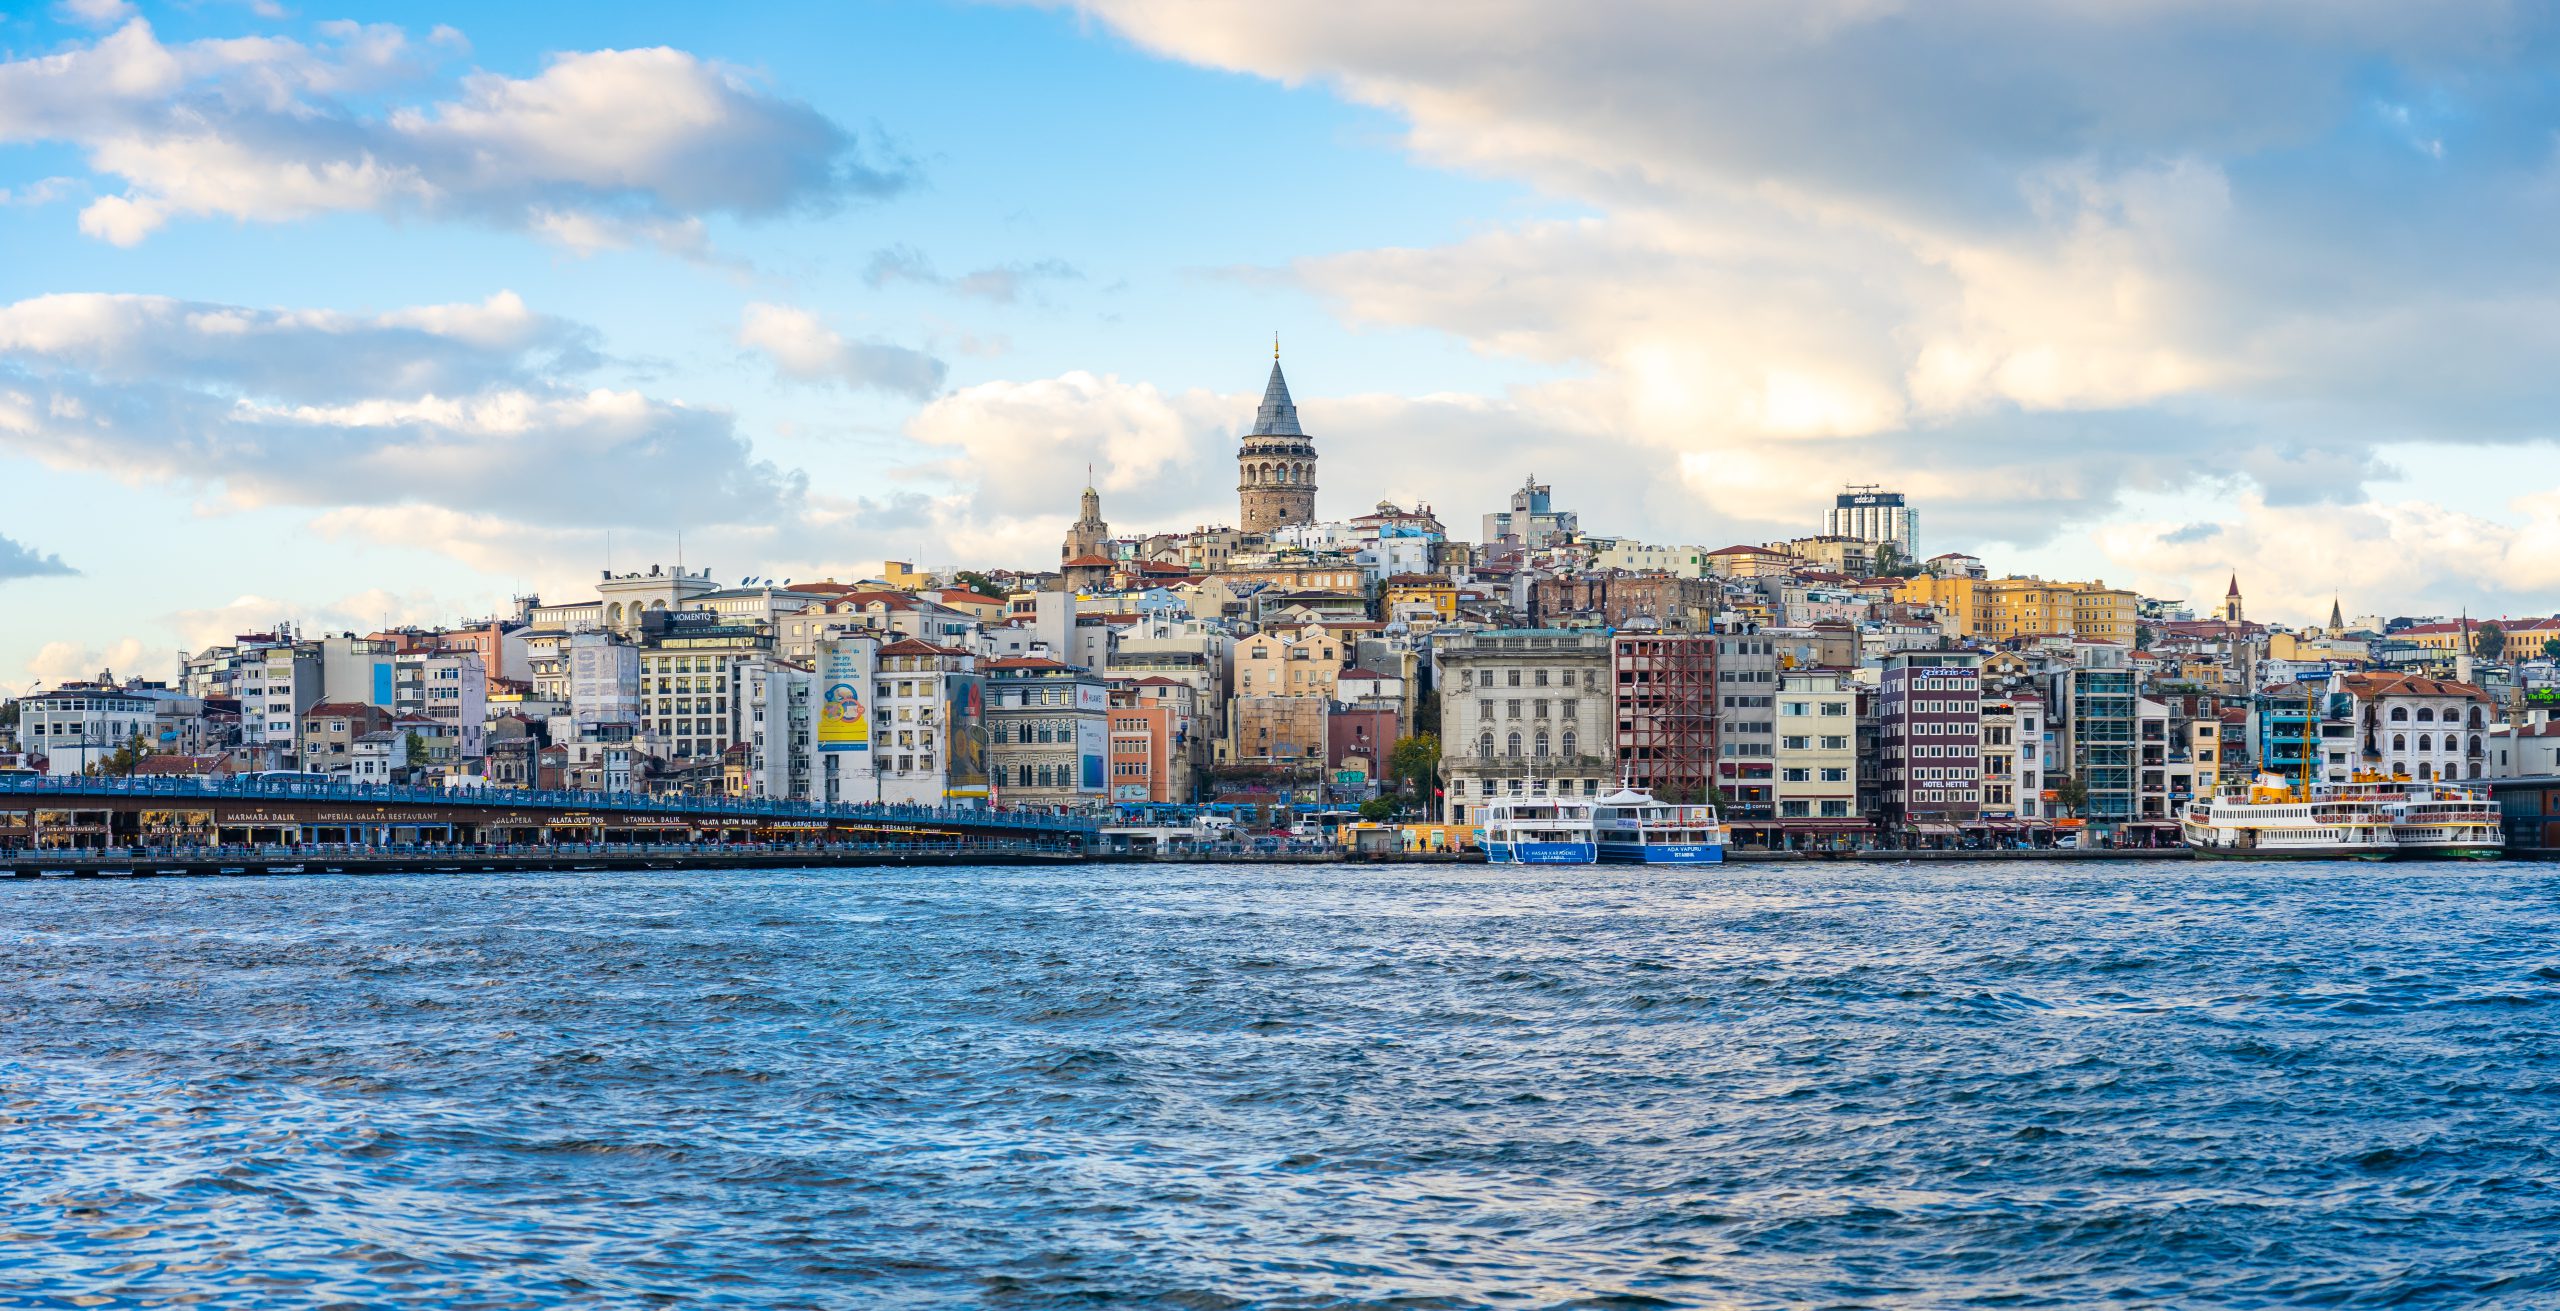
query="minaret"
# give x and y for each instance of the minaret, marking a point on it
(2231, 601)
(1276, 465)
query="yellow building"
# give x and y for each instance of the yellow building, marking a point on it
(2005, 609)
(1307, 662)
(1439, 594)
(1958, 599)
(2100, 613)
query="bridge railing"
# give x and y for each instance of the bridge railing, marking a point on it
(620, 802)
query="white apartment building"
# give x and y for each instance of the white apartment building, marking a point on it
(449, 687)
(79, 724)
(1817, 753)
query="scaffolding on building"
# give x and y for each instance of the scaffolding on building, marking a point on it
(1666, 712)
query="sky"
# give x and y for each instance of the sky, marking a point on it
(369, 314)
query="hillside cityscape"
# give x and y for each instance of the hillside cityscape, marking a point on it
(1845, 688)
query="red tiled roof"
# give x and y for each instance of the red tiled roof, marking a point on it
(340, 708)
(1023, 662)
(963, 596)
(1090, 562)
(2381, 684)
(918, 646)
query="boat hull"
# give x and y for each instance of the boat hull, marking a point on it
(1540, 853)
(1661, 853)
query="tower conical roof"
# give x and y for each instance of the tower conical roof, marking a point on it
(1278, 416)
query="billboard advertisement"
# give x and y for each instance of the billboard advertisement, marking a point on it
(1093, 741)
(964, 736)
(604, 681)
(844, 695)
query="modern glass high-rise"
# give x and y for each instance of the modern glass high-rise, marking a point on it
(1868, 514)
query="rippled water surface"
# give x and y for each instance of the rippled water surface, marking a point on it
(1196, 1087)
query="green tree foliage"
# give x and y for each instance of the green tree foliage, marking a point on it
(2490, 642)
(1412, 759)
(976, 582)
(2071, 793)
(2550, 649)
(1378, 810)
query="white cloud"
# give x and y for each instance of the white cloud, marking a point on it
(471, 407)
(62, 662)
(93, 13)
(2019, 260)
(804, 349)
(600, 149)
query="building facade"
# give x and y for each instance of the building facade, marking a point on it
(1929, 717)
(1523, 713)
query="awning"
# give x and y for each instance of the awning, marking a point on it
(1941, 830)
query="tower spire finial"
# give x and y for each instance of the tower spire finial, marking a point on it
(1275, 345)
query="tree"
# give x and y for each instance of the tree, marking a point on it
(976, 582)
(2550, 649)
(120, 763)
(1412, 760)
(2071, 793)
(1378, 810)
(414, 747)
(2490, 642)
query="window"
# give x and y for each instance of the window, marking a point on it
(1795, 743)
(1515, 677)
(1484, 746)
(1541, 748)
(1795, 708)
(1796, 775)
(1539, 707)
(1515, 746)
(1835, 776)
(1569, 742)
(1511, 709)
(1484, 710)
(1834, 708)
(1835, 743)
(1542, 678)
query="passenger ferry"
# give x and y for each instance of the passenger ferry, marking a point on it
(1537, 831)
(1634, 829)
(2445, 821)
(2273, 821)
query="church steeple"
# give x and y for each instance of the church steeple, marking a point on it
(2231, 611)
(2337, 618)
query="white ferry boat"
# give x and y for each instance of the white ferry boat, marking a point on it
(1634, 829)
(2272, 821)
(1537, 831)
(2446, 821)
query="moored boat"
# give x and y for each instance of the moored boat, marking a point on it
(1633, 828)
(2270, 821)
(2446, 821)
(1537, 831)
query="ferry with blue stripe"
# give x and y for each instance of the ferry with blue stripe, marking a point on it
(1537, 831)
(1632, 828)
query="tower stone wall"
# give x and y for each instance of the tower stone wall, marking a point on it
(1276, 464)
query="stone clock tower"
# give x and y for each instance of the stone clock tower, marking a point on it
(1276, 465)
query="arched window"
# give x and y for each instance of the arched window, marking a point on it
(1484, 746)
(2475, 744)
(2426, 742)
(1515, 746)
(2399, 741)
(2425, 770)
(1542, 744)
(2475, 716)
(2399, 713)
(2426, 713)
(613, 615)
(1568, 742)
